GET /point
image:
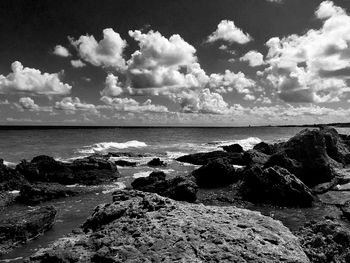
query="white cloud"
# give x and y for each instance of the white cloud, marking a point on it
(228, 31)
(71, 105)
(61, 51)
(31, 81)
(313, 67)
(254, 58)
(112, 86)
(106, 53)
(77, 63)
(27, 103)
(275, 1)
(131, 105)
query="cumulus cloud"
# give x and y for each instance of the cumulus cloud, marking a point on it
(77, 63)
(313, 67)
(254, 58)
(27, 103)
(131, 105)
(112, 86)
(61, 51)
(23, 80)
(106, 53)
(228, 31)
(71, 105)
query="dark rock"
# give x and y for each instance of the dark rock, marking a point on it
(204, 158)
(253, 157)
(39, 192)
(345, 208)
(88, 171)
(22, 227)
(326, 241)
(178, 188)
(10, 179)
(216, 173)
(144, 227)
(6, 199)
(156, 162)
(265, 148)
(124, 163)
(233, 148)
(275, 185)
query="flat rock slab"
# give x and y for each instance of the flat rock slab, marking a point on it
(144, 227)
(335, 197)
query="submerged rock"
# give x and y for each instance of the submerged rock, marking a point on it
(88, 171)
(275, 185)
(144, 227)
(39, 192)
(326, 241)
(215, 173)
(233, 148)
(20, 228)
(156, 162)
(124, 163)
(205, 157)
(178, 188)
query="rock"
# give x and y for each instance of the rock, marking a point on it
(215, 173)
(10, 179)
(326, 241)
(39, 192)
(205, 157)
(345, 208)
(156, 162)
(233, 148)
(322, 188)
(306, 156)
(22, 227)
(253, 157)
(6, 199)
(88, 171)
(275, 185)
(265, 148)
(124, 163)
(144, 227)
(178, 188)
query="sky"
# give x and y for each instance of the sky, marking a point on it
(174, 62)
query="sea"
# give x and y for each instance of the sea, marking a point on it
(66, 144)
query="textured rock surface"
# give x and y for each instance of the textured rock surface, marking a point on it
(143, 227)
(178, 188)
(124, 163)
(326, 241)
(233, 148)
(156, 162)
(9, 178)
(214, 174)
(89, 170)
(275, 185)
(204, 158)
(20, 228)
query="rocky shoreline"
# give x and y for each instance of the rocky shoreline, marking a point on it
(204, 216)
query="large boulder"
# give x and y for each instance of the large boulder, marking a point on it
(274, 185)
(155, 162)
(266, 148)
(144, 227)
(215, 173)
(205, 157)
(39, 192)
(20, 228)
(233, 148)
(178, 188)
(253, 157)
(88, 171)
(326, 241)
(10, 179)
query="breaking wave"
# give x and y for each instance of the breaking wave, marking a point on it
(111, 146)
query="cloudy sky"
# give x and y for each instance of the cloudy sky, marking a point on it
(174, 62)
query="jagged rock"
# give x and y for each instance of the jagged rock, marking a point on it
(156, 162)
(233, 148)
(10, 179)
(253, 157)
(345, 208)
(39, 192)
(6, 199)
(144, 227)
(88, 171)
(326, 241)
(22, 227)
(124, 163)
(178, 188)
(205, 157)
(265, 148)
(275, 185)
(215, 173)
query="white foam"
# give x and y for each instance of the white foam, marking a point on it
(111, 146)
(142, 174)
(9, 164)
(116, 186)
(14, 192)
(246, 144)
(174, 155)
